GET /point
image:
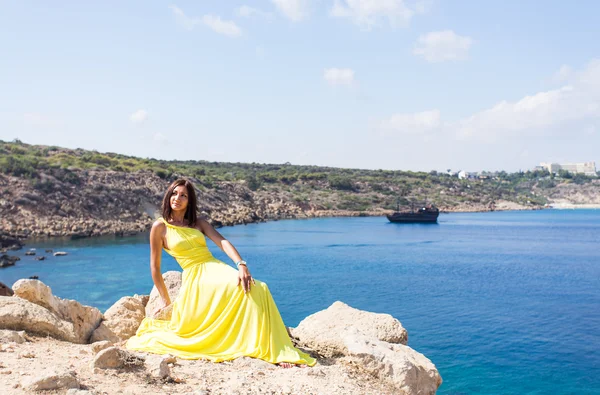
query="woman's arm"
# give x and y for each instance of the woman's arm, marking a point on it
(244, 274)
(157, 233)
(219, 240)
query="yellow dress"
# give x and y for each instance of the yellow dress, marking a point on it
(212, 317)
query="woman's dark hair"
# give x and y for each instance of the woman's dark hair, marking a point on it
(191, 214)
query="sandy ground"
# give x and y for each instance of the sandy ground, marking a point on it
(22, 362)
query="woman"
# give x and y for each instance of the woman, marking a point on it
(220, 313)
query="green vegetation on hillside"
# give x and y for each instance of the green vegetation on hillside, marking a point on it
(325, 187)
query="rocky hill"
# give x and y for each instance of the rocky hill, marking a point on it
(53, 191)
(110, 202)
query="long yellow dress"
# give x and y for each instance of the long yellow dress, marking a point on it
(212, 318)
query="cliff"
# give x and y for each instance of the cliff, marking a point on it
(109, 202)
(53, 191)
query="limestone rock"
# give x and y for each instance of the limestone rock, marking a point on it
(165, 314)
(85, 319)
(409, 371)
(5, 290)
(173, 283)
(8, 260)
(101, 345)
(158, 366)
(115, 358)
(36, 292)
(372, 342)
(49, 380)
(9, 242)
(142, 298)
(8, 336)
(122, 320)
(20, 314)
(321, 330)
(103, 333)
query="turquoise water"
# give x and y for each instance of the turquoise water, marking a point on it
(502, 303)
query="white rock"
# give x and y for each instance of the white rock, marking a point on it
(158, 366)
(409, 371)
(115, 358)
(361, 337)
(20, 314)
(142, 298)
(321, 330)
(8, 336)
(164, 314)
(85, 319)
(50, 380)
(60, 253)
(101, 345)
(121, 320)
(173, 283)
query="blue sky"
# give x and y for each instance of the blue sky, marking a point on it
(390, 84)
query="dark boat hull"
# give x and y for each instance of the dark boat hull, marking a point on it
(424, 217)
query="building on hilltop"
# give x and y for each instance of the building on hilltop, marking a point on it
(587, 168)
(463, 175)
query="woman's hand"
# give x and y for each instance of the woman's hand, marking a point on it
(244, 278)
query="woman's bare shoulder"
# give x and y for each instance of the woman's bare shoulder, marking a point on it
(201, 224)
(159, 225)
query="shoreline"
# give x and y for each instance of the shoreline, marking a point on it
(136, 228)
(25, 236)
(571, 206)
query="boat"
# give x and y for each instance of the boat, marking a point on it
(425, 213)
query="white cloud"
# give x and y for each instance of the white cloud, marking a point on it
(589, 130)
(250, 12)
(295, 10)
(185, 21)
(590, 76)
(335, 76)
(443, 46)
(369, 13)
(227, 28)
(563, 74)
(566, 111)
(423, 6)
(139, 116)
(537, 114)
(416, 123)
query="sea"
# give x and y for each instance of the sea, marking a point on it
(500, 302)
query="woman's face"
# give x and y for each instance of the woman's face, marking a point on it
(179, 198)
